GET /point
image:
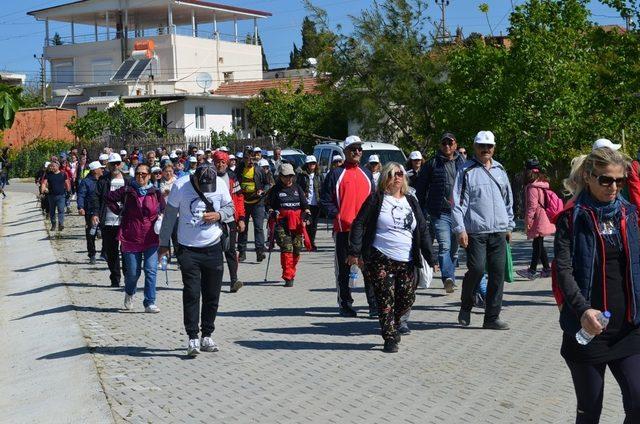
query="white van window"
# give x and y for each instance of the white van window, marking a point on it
(325, 160)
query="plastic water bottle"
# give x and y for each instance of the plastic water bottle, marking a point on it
(163, 263)
(353, 276)
(94, 230)
(583, 337)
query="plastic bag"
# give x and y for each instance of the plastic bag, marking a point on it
(509, 276)
(157, 225)
(424, 275)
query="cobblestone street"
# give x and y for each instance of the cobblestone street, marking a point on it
(287, 357)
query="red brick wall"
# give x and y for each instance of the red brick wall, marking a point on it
(31, 124)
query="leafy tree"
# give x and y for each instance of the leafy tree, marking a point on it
(627, 8)
(484, 8)
(295, 117)
(314, 44)
(120, 122)
(10, 102)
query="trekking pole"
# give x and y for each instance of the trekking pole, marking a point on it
(271, 225)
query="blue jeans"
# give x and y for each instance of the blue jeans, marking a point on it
(447, 246)
(56, 202)
(133, 268)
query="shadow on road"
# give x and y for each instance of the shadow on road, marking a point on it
(69, 308)
(134, 351)
(300, 345)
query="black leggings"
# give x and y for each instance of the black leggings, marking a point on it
(539, 254)
(588, 381)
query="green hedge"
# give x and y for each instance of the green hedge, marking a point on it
(28, 160)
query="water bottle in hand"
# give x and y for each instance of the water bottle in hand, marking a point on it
(94, 230)
(163, 263)
(583, 337)
(353, 276)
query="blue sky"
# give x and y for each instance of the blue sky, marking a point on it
(21, 36)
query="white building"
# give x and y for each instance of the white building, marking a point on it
(177, 51)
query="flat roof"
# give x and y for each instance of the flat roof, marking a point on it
(145, 12)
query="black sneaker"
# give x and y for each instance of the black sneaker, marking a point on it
(496, 325)
(60, 227)
(53, 227)
(390, 346)
(404, 329)
(117, 284)
(92, 260)
(464, 318)
(242, 256)
(288, 283)
(235, 286)
(347, 311)
(260, 256)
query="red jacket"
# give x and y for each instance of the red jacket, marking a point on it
(236, 196)
(633, 181)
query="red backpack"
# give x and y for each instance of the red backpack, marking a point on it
(553, 204)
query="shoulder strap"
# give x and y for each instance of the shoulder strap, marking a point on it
(464, 180)
(207, 202)
(504, 193)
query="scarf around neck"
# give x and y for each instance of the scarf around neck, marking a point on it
(608, 215)
(142, 191)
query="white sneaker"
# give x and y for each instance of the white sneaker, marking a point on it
(128, 300)
(152, 309)
(193, 347)
(208, 345)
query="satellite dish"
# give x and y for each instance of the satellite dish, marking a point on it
(204, 80)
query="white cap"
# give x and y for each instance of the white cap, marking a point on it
(240, 155)
(95, 165)
(156, 169)
(123, 152)
(208, 149)
(224, 149)
(311, 159)
(603, 142)
(231, 157)
(199, 152)
(46, 164)
(192, 159)
(114, 157)
(178, 150)
(257, 150)
(374, 159)
(485, 137)
(337, 158)
(173, 155)
(352, 139)
(415, 155)
(165, 157)
(103, 156)
(263, 162)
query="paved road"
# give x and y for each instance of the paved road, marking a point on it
(286, 357)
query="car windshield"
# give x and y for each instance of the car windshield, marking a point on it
(385, 156)
(296, 160)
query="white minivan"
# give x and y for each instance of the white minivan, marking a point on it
(325, 151)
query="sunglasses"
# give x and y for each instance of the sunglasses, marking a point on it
(142, 174)
(486, 146)
(607, 181)
(398, 174)
(447, 142)
(355, 149)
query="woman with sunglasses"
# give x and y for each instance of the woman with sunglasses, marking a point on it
(142, 203)
(597, 255)
(387, 238)
(287, 205)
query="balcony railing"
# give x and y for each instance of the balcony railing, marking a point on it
(149, 32)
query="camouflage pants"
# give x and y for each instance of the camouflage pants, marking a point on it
(394, 288)
(289, 243)
(290, 247)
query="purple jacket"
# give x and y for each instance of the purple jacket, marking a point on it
(139, 214)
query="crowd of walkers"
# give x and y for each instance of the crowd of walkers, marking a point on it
(196, 205)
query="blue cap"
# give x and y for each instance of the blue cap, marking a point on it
(607, 314)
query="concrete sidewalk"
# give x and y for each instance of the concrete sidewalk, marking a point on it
(32, 389)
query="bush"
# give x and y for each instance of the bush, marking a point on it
(28, 160)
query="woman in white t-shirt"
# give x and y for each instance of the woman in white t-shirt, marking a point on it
(387, 239)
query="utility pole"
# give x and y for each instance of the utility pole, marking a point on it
(443, 35)
(43, 76)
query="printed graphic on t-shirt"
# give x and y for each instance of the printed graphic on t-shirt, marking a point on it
(402, 217)
(198, 209)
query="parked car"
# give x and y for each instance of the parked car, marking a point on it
(296, 157)
(324, 152)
